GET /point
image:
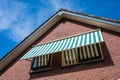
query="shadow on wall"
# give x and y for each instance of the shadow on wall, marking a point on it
(81, 67)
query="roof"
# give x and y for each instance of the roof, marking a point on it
(93, 16)
(106, 23)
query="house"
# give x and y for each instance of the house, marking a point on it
(68, 46)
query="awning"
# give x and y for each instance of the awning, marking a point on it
(65, 44)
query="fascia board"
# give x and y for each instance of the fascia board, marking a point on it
(28, 41)
(93, 21)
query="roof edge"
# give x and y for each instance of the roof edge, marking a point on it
(90, 15)
(29, 35)
(59, 13)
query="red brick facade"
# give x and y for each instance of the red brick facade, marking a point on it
(109, 69)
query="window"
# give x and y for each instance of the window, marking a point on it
(82, 54)
(73, 56)
(69, 57)
(42, 63)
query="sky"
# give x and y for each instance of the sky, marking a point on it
(18, 18)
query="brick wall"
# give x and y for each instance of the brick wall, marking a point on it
(109, 69)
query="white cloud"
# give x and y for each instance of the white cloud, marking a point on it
(17, 21)
(21, 29)
(57, 4)
(10, 13)
(14, 19)
(51, 7)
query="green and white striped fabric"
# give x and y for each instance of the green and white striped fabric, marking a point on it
(82, 54)
(90, 52)
(70, 57)
(42, 61)
(65, 44)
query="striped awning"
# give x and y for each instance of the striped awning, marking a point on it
(65, 44)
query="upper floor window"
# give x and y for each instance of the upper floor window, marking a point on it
(82, 54)
(42, 63)
(74, 56)
(77, 49)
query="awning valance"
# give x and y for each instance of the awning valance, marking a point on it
(65, 44)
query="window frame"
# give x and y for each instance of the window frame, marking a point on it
(39, 69)
(88, 61)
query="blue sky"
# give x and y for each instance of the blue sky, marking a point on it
(18, 18)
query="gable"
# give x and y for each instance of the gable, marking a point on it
(64, 31)
(46, 26)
